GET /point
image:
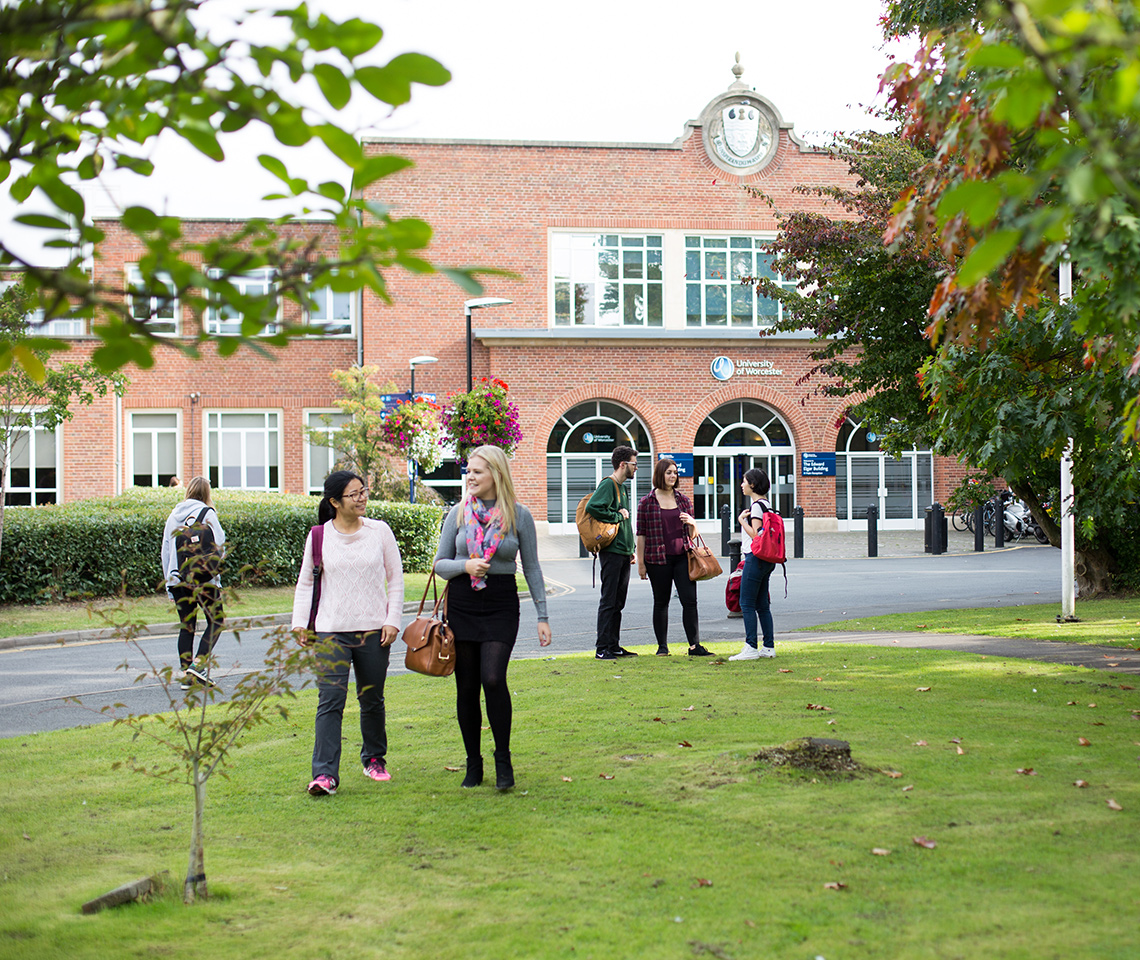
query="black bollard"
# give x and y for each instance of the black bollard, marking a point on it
(979, 528)
(872, 531)
(725, 529)
(937, 530)
(798, 533)
(999, 523)
(926, 528)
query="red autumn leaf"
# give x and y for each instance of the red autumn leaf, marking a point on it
(1027, 771)
(702, 882)
(684, 743)
(658, 720)
(1113, 805)
(1080, 783)
(452, 769)
(922, 689)
(1124, 686)
(835, 885)
(880, 851)
(908, 788)
(819, 679)
(925, 842)
(606, 776)
(955, 739)
(788, 670)
(893, 774)
(1084, 741)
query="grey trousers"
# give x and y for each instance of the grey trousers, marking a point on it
(369, 660)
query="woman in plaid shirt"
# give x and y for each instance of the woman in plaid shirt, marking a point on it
(662, 516)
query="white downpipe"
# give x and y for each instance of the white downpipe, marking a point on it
(1068, 525)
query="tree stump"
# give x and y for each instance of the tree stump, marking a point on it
(135, 890)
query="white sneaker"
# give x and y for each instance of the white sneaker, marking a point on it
(748, 653)
(768, 652)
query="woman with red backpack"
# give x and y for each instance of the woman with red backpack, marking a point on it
(754, 600)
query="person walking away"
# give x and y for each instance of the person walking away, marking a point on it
(358, 618)
(189, 596)
(664, 520)
(755, 603)
(611, 504)
(480, 540)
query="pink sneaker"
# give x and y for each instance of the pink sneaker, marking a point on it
(322, 786)
(375, 769)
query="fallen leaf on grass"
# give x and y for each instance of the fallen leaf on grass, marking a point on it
(818, 706)
(1124, 686)
(880, 851)
(1080, 783)
(658, 720)
(1027, 771)
(750, 923)
(788, 670)
(831, 723)
(702, 882)
(684, 743)
(920, 743)
(1084, 741)
(26, 837)
(452, 769)
(922, 689)
(687, 709)
(1092, 706)
(955, 739)
(908, 788)
(819, 679)
(567, 779)
(893, 774)
(925, 842)
(835, 885)
(1071, 703)
(1113, 805)
(961, 752)
(606, 776)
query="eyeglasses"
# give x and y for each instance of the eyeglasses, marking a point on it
(360, 495)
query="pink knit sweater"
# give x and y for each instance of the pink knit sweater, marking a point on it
(363, 583)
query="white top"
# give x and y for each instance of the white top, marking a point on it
(186, 512)
(362, 587)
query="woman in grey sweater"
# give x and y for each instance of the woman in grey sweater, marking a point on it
(481, 537)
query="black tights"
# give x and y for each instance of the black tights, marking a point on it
(483, 665)
(187, 600)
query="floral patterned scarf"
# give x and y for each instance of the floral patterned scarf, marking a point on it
(484, 533)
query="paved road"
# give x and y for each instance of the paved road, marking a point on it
(34, 679)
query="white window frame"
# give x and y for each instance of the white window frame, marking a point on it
(153, 432)
(315, 485)
(729, 281)
(162, 326)
(229, 326)
(273, 449)
(38, 436)
(575, 262)
(322, 296)
(75, 327)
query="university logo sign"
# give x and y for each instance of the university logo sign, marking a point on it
(722, 368)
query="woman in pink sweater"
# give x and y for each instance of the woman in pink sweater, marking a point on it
(362, 598)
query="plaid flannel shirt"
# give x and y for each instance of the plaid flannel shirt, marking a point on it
(651, 526)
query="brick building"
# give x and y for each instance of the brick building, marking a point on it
(625, 324)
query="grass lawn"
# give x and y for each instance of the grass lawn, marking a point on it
(641, 826)
(1110, 622)
(17, 620)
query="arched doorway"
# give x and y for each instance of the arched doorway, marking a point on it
(733, 438)
(866, 476)
(578, 456)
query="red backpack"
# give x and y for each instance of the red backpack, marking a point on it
(768, 544)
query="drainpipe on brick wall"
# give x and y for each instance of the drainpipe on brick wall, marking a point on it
(118, 485)
(358, 194)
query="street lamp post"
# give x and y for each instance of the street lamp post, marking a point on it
(412, 364)
(475, 304)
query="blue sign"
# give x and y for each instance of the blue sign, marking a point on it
(817, 464)
(684, 462)
(722, 368)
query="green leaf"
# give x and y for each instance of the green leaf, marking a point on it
(43, 221)
(334, 85)
(421, 69)
(376, 168)
(978, 199)
(140, 219)
(357, 36)
(274, 165)
(63, 196)
(986, 256)
(342, 144)
(5, 170)
(388, 86)
(463, 279)
(202, 139)
(996, 55)
(26, 358)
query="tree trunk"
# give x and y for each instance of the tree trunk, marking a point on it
(1094, 569)
(196, 870)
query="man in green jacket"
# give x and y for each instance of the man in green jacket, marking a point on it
(611, 504)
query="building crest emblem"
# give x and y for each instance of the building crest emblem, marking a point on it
(741, 123)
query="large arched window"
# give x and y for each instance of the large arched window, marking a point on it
(578, 455)
(866, 476)
(734, 437)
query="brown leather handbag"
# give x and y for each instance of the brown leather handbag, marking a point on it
(431, 644)
(702, 564)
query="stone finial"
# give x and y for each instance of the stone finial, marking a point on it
(737, 69)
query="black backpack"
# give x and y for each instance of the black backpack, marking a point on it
(198, 556)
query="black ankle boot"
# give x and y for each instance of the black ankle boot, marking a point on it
(504, 772)
(474, 772)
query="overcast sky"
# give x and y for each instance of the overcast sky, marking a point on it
(608, 71)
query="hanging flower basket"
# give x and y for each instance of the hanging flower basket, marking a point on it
(484, 416)
(413, 428)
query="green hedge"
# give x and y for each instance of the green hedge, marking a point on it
(96, 548)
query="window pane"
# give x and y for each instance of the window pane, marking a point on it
(167, 453)
(233, 421)
(693, 304)
(607, 264)
(608, 308)
(633, 266)
(144, 467)
(742, 298)
(153, 421)
(715, 305)
(715, 266)
(562, 303)
(584, 305)
(653, 265)
(634, 304)
(655, 314)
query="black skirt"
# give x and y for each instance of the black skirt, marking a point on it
(492, 613)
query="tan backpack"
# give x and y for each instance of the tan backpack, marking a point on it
(595, 534)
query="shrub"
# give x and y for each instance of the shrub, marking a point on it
(104, 547)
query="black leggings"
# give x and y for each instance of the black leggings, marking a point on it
(663, 577)
(483, 665)
(187, 600)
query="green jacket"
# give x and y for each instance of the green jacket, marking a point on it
(604, 505)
